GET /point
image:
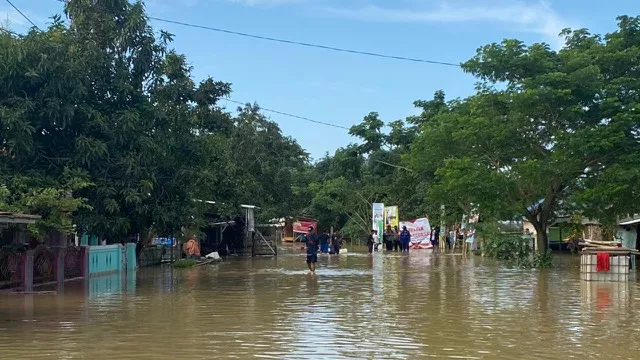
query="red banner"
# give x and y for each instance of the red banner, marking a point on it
(302, 226)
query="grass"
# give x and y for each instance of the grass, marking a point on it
(184, 263)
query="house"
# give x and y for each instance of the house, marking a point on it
(628, 232)
(561, 231)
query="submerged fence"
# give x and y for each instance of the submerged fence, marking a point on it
(22, 270)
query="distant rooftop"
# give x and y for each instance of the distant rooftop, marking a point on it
(14, 218)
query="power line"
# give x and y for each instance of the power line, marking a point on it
(299, 43)
(244, 103)
(291, 115)
(23, 15)
(295, 43)
(291, 42)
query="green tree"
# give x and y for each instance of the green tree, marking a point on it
(103, 110)
(261, 164)
(544, 127)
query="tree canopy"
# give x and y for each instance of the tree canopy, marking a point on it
(102, 126)
(548, 133)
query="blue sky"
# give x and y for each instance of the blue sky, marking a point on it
(341, 88)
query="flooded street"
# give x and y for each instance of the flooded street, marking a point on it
(387, 306)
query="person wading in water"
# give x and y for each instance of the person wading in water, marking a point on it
(335, 244)
(397, 245)
(371, 241)
(388, 238)
(405, 239)
(312, 250)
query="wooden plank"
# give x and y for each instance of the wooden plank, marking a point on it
(616, 251)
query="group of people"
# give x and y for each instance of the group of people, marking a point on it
(393, 239)
(324, 243)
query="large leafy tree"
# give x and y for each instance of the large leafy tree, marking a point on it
(262, 163)
(547, 133)
(544, 128)
(101, 111)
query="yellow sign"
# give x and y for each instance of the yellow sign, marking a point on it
(391, 216)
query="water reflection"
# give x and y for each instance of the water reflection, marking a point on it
(420, 305)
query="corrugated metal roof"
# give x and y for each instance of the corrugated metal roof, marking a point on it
(630, 222)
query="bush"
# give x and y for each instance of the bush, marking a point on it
(542, 260)
(516, 250)
(184, 263)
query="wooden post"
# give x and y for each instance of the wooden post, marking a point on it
(58, 267)
(27, 271)
(84, 250)
(443, 235)
(276, 241)
(172, 249)
(331, 247)
(464, 242)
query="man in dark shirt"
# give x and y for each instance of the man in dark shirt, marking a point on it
(397, 245)
(312, 249)
(324, 243)
(405, 239)
(371, 241)
(335, 244)
(435, 238)
(388, 238)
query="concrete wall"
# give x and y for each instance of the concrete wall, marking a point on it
(105, 259)
(93, 261)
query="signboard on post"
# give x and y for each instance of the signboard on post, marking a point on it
(420, 230)
(391, 216)
(164, 241)
(302, 226)
(378, 218)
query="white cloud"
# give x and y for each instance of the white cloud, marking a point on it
(12, 18)
(538, 17)
(14, 21)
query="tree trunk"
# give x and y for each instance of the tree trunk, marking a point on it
(542, 238)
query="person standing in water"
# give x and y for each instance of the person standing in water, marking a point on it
(388, 238)
(335, 244)
(312, 249)
(435, 238)
(451, 239)
(405, 239)
(397, 245)
(371, 241)
(324, 243)
(376, 240)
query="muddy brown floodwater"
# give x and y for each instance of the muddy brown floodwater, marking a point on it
(386, 306)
